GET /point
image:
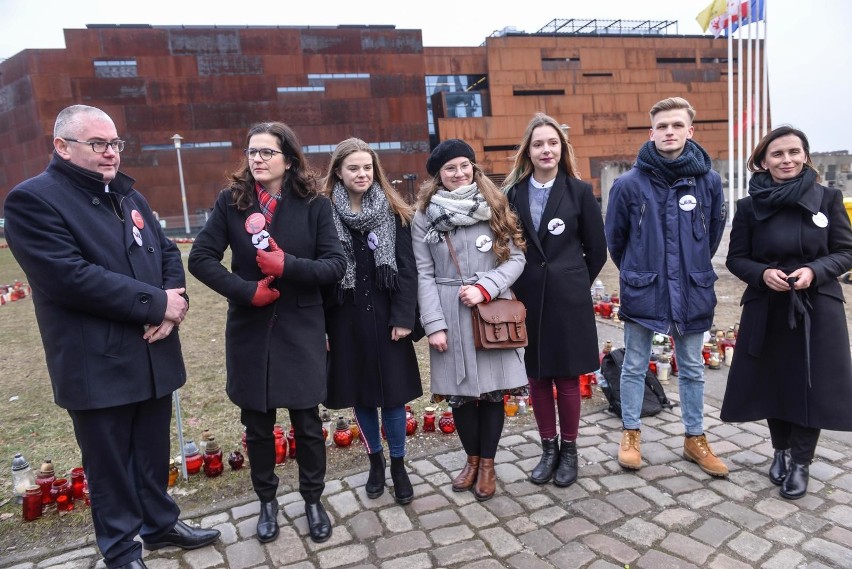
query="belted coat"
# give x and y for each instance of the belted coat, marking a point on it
(276, 354)
(773, 373)
(564, 257)
(462, 369)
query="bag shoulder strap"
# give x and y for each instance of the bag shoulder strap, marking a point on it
(453, 253)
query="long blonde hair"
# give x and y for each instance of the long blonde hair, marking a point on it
(523, 166)
(504, 223)
(350, 146)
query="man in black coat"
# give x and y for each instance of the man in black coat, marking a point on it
(108, 290)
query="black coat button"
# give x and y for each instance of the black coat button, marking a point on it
(96, 201)
(150, 249)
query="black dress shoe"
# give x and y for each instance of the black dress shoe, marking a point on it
(135, 564)
(318, 523)
(267, 523)
(185, 537)
(795, 485)
(778, 468)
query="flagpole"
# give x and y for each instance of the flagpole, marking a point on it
(731, 182)
(757, 81)
(741, 150)
(767, 126)
(747, 122)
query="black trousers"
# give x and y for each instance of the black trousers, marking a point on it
(310, 452)
(126, 458)
(479, 425)
(801, 441)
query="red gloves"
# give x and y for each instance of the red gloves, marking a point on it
(264, 295)
(271, 263)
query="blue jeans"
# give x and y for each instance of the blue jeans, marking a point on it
(690, 364)
(393, 419)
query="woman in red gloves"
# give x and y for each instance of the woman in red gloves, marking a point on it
(284, 248)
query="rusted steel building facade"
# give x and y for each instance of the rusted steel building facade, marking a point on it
(209, 84)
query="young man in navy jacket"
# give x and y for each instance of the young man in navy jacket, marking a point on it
(664, 222)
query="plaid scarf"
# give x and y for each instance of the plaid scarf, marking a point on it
(266, 201)
(448, 210)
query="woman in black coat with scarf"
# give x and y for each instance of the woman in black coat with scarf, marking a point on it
(284, 248)
(790, 241)
(372, 309)
(566, 249)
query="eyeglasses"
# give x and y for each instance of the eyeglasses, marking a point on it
(100, 146)
(265, 153)
(463, 167)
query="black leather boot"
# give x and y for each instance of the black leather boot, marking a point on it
(267, 522)
(778, 468)
(402, 490)
(546, 466)
(375, 486)
(319, 526)
(795, 485)
(566, 472)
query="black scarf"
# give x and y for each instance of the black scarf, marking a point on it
(768, 197)
(693, 161)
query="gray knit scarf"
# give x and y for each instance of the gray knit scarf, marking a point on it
(448, 210)
(376, 216)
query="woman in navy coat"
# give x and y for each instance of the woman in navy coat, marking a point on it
(372, 309)
(284, 248)
(790, 240)
(566, 250)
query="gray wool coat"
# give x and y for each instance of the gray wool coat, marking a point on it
(462, 370)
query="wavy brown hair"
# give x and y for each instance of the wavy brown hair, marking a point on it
(504, 223)
(350, 146)
(755, 161)
(523, 166)
(298, 178)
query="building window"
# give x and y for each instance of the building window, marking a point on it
(329, 148)
(463, 97)
(559, 63)
(300, 89)
(115, 68)
(537, 92)
(188, 145)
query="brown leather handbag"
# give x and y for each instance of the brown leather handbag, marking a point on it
(499, 324)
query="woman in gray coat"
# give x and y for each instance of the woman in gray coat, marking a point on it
(460, 207)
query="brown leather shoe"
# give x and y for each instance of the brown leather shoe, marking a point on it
(486, 480)
(464, 481)
(629, 452)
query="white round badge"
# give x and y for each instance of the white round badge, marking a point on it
(483, 243)
(820, 220)
(260, 240)
(556, 226)
(372, 241)
(137, 236)
(687, 202)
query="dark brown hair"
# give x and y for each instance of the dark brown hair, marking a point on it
(298, 178)
(755, 161)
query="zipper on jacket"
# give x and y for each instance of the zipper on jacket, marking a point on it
(641, 216)
(703, 220)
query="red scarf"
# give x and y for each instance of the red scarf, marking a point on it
(267, 202)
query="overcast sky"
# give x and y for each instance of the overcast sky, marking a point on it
(809, 43)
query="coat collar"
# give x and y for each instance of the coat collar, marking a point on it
(88, 180)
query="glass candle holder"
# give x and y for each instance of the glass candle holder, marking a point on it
(236, 460)
(173, 473)
(22, 476)
(63, 495)
(78, 478)
(354, 429)
(510, 406)
(44, 480)
(342, 434)
(193, 458)
(447, 423)
(429, 419)
(280, 444)
(31, 504)
(291, 443)
(410, 423)
(213, 461)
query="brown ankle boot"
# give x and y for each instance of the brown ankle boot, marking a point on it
(464, 481)
(486, 480)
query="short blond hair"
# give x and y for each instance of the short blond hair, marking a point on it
(671, 104)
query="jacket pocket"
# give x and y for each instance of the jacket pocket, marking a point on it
(702, 296)
(638, 294)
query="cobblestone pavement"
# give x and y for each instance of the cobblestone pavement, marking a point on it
(669, 514)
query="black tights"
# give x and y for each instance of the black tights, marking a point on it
(479, 424)
(801, 441)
